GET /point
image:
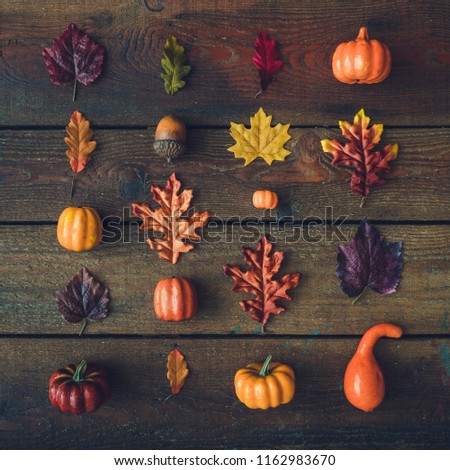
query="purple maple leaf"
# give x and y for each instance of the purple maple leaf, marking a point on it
(369, 261)
(84, 298)
(74, 57)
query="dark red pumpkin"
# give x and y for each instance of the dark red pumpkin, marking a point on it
(175, 299)
(79, 389)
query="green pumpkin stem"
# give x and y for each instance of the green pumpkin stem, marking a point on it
(78, 376)
(265, 368)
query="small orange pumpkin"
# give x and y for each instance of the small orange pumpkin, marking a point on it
(79, 228)
(265, 385)
(362, 60)
(175, 299)
(264, 199)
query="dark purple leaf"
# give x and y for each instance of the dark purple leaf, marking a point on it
(84, 298)
(369, 261)
(73, 57)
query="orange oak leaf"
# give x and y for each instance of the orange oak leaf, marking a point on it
(169, 231)
(259, 281)
(177, 370)
(79, 142)
(361, 154)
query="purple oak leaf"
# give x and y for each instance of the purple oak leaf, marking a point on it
(83, 299)
(74, 57)
(369, 261)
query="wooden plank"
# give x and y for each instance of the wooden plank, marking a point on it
(219, 37)
(33, 266)
(414, 415)
(36, 176)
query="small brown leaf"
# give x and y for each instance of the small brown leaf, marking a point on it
(79, 142)
(177, 370)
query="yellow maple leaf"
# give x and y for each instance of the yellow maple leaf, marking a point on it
(261, 140)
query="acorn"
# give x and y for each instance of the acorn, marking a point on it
(170, 137)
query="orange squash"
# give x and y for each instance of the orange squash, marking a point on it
(265, 385)
(363, 380)
(79, 228)
(362, 60)
(175, 299)
(264, 199)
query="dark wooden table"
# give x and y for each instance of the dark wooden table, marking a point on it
(320, 330)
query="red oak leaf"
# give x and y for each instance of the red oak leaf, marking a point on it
(259, 281)
(169, 220)
(74, 57)
(360, 155)
(266, 60)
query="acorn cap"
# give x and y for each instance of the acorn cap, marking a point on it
(169, 149)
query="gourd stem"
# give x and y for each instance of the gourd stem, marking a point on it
(372, 335)
(78, 376)
(265, 368)
(74, 94)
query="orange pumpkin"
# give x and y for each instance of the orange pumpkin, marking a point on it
(175, 299)
(264, 199)
(363, 380)
(79, 228)
(265, 385)
(362, 60)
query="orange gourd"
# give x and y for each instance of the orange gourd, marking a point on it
(265, 385)
(363, 380)
(264, 199)
(175, 299)
(362, 60)
(79, 228)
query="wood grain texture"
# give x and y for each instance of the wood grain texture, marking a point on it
(415, 413)
(33, 266)
(219, 38)
(35, 176)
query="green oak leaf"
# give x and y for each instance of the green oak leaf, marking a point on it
(174, 65)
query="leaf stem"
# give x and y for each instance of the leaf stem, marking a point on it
(83, 327)
(72, 186)
(265, 368)
(74, 94)
(259, 92)
(170, 396)
(356, 298)
(363, 201)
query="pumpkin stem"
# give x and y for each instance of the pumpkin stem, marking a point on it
(363, 34)
(78, 376)
(265, 368)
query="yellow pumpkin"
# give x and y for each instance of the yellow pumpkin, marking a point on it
(264, 199)
(265, 385)
(79, 228)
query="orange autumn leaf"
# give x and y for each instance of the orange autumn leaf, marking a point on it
(79, 141)
(177, 370)
(170, 220)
